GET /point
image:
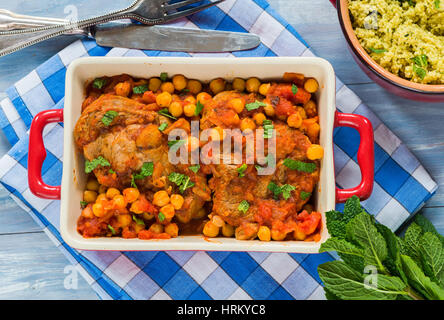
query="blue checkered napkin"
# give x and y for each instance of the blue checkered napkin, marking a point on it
(402, 184)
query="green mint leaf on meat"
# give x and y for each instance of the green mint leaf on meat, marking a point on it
(241, 170)
(294, 89)
(199, 108)
(268, 129)
(175, 144)
(146, 171)
(164, 112)
(83, 204)
(163, 76)
(307, 167)
(194, 168)
(305, 195)
(254, 105)
(109, 116)
(286, 190)
(243, 206)
(163, 126)
(161, 217)
(99, 161)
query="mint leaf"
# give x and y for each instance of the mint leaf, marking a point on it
(140, 89)
(181, 180)
(411, 240)
(161, 217)
(305, 195)
(307, 167)
(419, 281)
(294, 89)
(109, 116)
(111, 229)
(146, 171)
(378, 50)
(348, 284)
(432, 256)
(241, 170)
(199, 108)
(163, 126)
(286, 190)
(139, 221)
(99, 83)
(164, 112)
(83, 204)
(336, 221)
(362, 231)
(427, 226)
(194, 168)
(254, 105)
(243, 206)
(351, 254)
(268, 129)
(163, 76)
(99, 161)
(186, 184)
(175, 144)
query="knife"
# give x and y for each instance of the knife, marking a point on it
(135, 36)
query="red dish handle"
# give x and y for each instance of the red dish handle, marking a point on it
(366, 155)
(37, 154)
(333, 2)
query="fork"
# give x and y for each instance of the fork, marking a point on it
(149, 12)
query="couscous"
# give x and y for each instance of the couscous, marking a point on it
(406, 37)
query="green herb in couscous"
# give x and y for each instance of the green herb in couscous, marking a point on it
(406, 37)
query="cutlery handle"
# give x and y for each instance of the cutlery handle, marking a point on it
(13, 21)
(11, 41)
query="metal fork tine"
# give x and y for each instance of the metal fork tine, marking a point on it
(179, 4)
(190, 11)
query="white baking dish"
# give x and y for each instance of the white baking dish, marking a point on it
(205, 69)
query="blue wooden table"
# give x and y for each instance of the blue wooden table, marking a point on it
(31, 267)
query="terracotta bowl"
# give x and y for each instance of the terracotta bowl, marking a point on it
(392, 83)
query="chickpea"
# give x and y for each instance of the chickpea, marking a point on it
(135, 208)
(227, 230)
(149, 137)
(264, 233)
(210, 230)
(175, 109)
(263, 89)
(154, 84)
(190, 99)
(239, 84)
(179, 82)
(217, 85)
(164, 99)
(156, 228)
(160, 182)
(147, 216)
(172, 229)
(299, 235)
(167, 87)
(194, 86)
(259, 118)
(237, 104)
(168, 211)
(161, 198)
(277, 235)
(123, 89)
(102, 189)
(98, 209)
(189, 110)
(92, 185)
(302, 113)
(252, 85)
(204, 98)
(311, 109)
(124, 220)
(313, 131)
(311, 85)
(102, 198)
(217, 134)
(295, 120)
(119, 202)
(218, 221)
(88, 213)
(177, 201)
(269, 110)
(131, 194)
(247, 124)
(112, 192)
(315, 152)
(89, 196)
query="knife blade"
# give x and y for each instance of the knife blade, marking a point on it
(168, 38)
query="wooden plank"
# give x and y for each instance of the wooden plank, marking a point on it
(33, 268)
